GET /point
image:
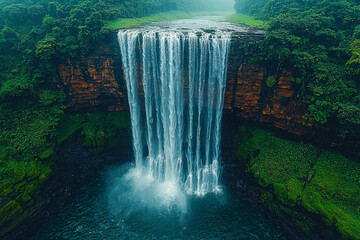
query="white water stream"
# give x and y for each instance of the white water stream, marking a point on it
(182, 74)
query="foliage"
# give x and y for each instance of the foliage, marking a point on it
(26, 130)
(271, 81)
(354, 61)
(320, 42)
(247, 20)
(323, 183)
(19, 190)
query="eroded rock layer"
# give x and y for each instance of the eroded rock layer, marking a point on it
(96, 82)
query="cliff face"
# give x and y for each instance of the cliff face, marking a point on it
(249, 97)
(97, 83)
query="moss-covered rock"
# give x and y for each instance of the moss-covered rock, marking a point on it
(10, 209)
(20, 189)
(334, 192)
(327, 185)
(24, 179)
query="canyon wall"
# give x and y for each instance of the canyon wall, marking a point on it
(96, 82)
(249, 97)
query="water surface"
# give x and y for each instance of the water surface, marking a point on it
(207, 23)
(92, 213)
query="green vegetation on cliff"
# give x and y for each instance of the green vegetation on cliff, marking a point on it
(321, 182)
(246, 20)
(320, 42)
(19, 190)
(22, 176)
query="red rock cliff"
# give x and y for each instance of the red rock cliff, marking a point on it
(97, 83)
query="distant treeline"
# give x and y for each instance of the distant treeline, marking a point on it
(320, 41)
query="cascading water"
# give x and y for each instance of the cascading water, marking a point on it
(175, 76)
(177, 138)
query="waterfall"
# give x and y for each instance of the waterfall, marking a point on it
(176, 122)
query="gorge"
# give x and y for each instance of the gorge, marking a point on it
(176, 118)
(174, 82)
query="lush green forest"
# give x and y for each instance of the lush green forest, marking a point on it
(35, 37)
(320, 42)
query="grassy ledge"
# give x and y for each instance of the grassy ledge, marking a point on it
(293, 174)
(124, 23)
(247, 20)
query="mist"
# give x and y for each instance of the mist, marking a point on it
(212, 5)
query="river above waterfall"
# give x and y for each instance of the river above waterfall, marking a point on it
(90, 213)
(202, 23)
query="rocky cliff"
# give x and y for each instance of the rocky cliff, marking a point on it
(249, 97)
(96, 82)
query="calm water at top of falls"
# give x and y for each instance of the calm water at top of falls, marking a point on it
(125, 201)
(93, 212)
(208, 23)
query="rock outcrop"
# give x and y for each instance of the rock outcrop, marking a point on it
(96, 82)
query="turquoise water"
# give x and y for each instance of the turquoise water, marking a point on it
(107, 208)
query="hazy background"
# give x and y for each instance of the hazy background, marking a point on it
(219, 5)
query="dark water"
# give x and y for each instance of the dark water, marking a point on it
(92, 213)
